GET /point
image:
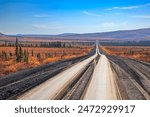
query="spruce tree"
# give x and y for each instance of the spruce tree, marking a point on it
(17, 50)
(4, 55)
(20, 54)
(39, 56)
(27, 57)
(32, 53)
(10, 54)
(24, 55)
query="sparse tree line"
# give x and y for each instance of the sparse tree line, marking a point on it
(5, 56)
(22, 55)
(125, 43)
(57, 44)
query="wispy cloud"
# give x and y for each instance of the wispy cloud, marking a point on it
(90, 13)
(129, 7)
(41, 26)
(142, 16)
(112, 24)
(109, 24)
(41, 15)
(46, 26)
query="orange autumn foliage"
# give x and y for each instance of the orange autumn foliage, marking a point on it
(141, 53)
(54, 54)
(53, 59)
(33, 61)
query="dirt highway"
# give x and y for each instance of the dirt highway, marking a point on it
(53, 87)
(98, 76)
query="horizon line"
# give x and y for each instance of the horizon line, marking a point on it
(15, 34)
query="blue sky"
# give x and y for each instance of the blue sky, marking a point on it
(72, 16)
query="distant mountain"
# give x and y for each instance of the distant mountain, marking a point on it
(1, 34)
(122, 35)
(43, 35)
(32, 35)
(139, 34)
(67, 34)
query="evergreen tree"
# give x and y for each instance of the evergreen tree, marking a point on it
(24, 55)
(4, 55)
(27, 57)
(10, 54)
(17, 50)
(20, 54)
(32, 53)
(39, 56)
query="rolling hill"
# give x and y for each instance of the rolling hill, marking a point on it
(1, 34)
(135, 35)
(122, 35)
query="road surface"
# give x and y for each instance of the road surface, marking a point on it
(54, 86)
(96, 77)
(102, 85)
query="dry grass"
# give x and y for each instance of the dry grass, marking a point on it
(141, 53)
(56, 54)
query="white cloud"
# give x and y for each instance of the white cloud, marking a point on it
(46, 26)
(108, 24)
(112, 24)
(142, 16)
(41, 15)
(129, 7)
(41, 26)
(90, 13)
